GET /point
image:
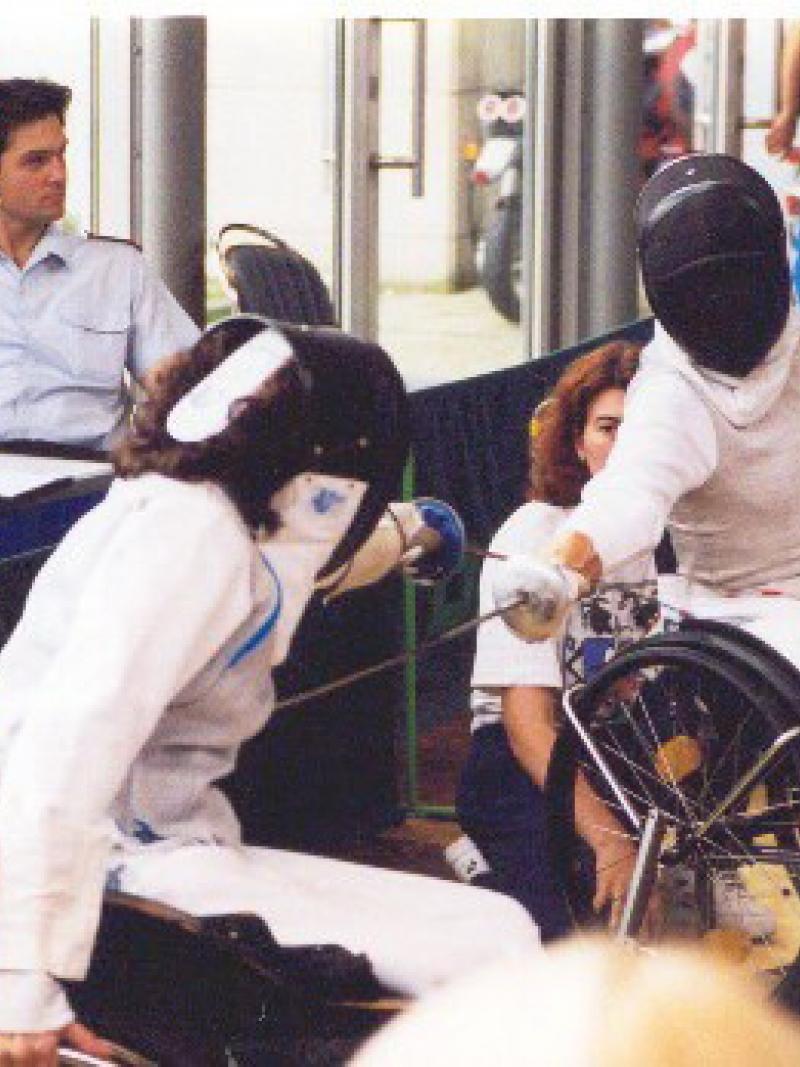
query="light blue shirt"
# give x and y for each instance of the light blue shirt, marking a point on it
(71, 320)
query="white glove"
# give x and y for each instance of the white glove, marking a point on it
(534, 596)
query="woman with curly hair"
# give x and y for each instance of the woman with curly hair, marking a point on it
(516, 685)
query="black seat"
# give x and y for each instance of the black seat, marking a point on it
(270, 278)
(189, 992)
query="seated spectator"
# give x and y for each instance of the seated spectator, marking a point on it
(516, 685)
(75, 313)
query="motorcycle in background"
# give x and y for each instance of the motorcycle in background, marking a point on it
(498, 252)
(667, 110)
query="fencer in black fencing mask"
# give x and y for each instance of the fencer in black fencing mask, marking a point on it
(303, 403)
(712, 249)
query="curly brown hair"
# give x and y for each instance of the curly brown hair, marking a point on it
(557, 473)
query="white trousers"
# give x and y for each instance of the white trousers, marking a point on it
(416, 931)
(775, 619)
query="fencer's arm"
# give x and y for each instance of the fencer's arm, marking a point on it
(380, 553)
(666, 446)
(423, 536)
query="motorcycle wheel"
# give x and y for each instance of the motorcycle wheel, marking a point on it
(500, 270)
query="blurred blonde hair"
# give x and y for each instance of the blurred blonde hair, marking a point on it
(593, 1002)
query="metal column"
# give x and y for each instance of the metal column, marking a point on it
(719, 108)
(168, 128)
(588, 81)
(359, 249)
(542, 162)
(614, 113)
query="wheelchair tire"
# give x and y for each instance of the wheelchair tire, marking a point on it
(679, 718)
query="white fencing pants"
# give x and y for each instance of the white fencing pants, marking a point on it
(416, 931)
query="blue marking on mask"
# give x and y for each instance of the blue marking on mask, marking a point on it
(325, 499)
(114, 879)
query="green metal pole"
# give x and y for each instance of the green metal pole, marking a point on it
(410, 629)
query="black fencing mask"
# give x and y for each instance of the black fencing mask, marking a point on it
(712, 249)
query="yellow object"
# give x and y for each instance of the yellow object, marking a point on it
(733, 946)
(535, 424)
(677, 758)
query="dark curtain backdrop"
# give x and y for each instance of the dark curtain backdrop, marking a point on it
(328, 769)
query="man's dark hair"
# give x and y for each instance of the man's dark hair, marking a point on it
(24, 100)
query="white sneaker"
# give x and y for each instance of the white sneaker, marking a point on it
(736, 909)
(466, 859)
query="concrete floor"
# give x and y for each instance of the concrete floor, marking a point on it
(441, 337)
(432, 337)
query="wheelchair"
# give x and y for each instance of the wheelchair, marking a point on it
(175, 990)
(692, 738)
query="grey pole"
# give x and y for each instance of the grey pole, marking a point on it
(173, 143)
(359, 250)
(614, 103)
(542, 206)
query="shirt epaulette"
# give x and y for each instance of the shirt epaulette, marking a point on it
(119, 240)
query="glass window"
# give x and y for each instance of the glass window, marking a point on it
(450, 261)
(57, 47)
(269, 130)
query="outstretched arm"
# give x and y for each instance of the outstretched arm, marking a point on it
(780, 135)
(665, 448)
(424, 536)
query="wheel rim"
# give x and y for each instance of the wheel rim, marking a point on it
(677, 735)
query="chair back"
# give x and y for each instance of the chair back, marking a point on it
(270, 278)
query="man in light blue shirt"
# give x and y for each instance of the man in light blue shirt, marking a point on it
(75, 313)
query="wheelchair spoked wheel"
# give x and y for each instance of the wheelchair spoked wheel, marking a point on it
(687, 724)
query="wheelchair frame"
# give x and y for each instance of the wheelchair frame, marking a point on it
(769, 689)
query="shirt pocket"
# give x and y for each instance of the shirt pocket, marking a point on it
(94, 343)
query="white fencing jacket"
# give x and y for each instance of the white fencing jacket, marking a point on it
(686, 430)
(142, 662)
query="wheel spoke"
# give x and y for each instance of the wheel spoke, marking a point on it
(680, 746)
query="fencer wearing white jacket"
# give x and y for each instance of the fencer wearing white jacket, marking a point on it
(142, 662)
(710, 441)
(714, 459)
